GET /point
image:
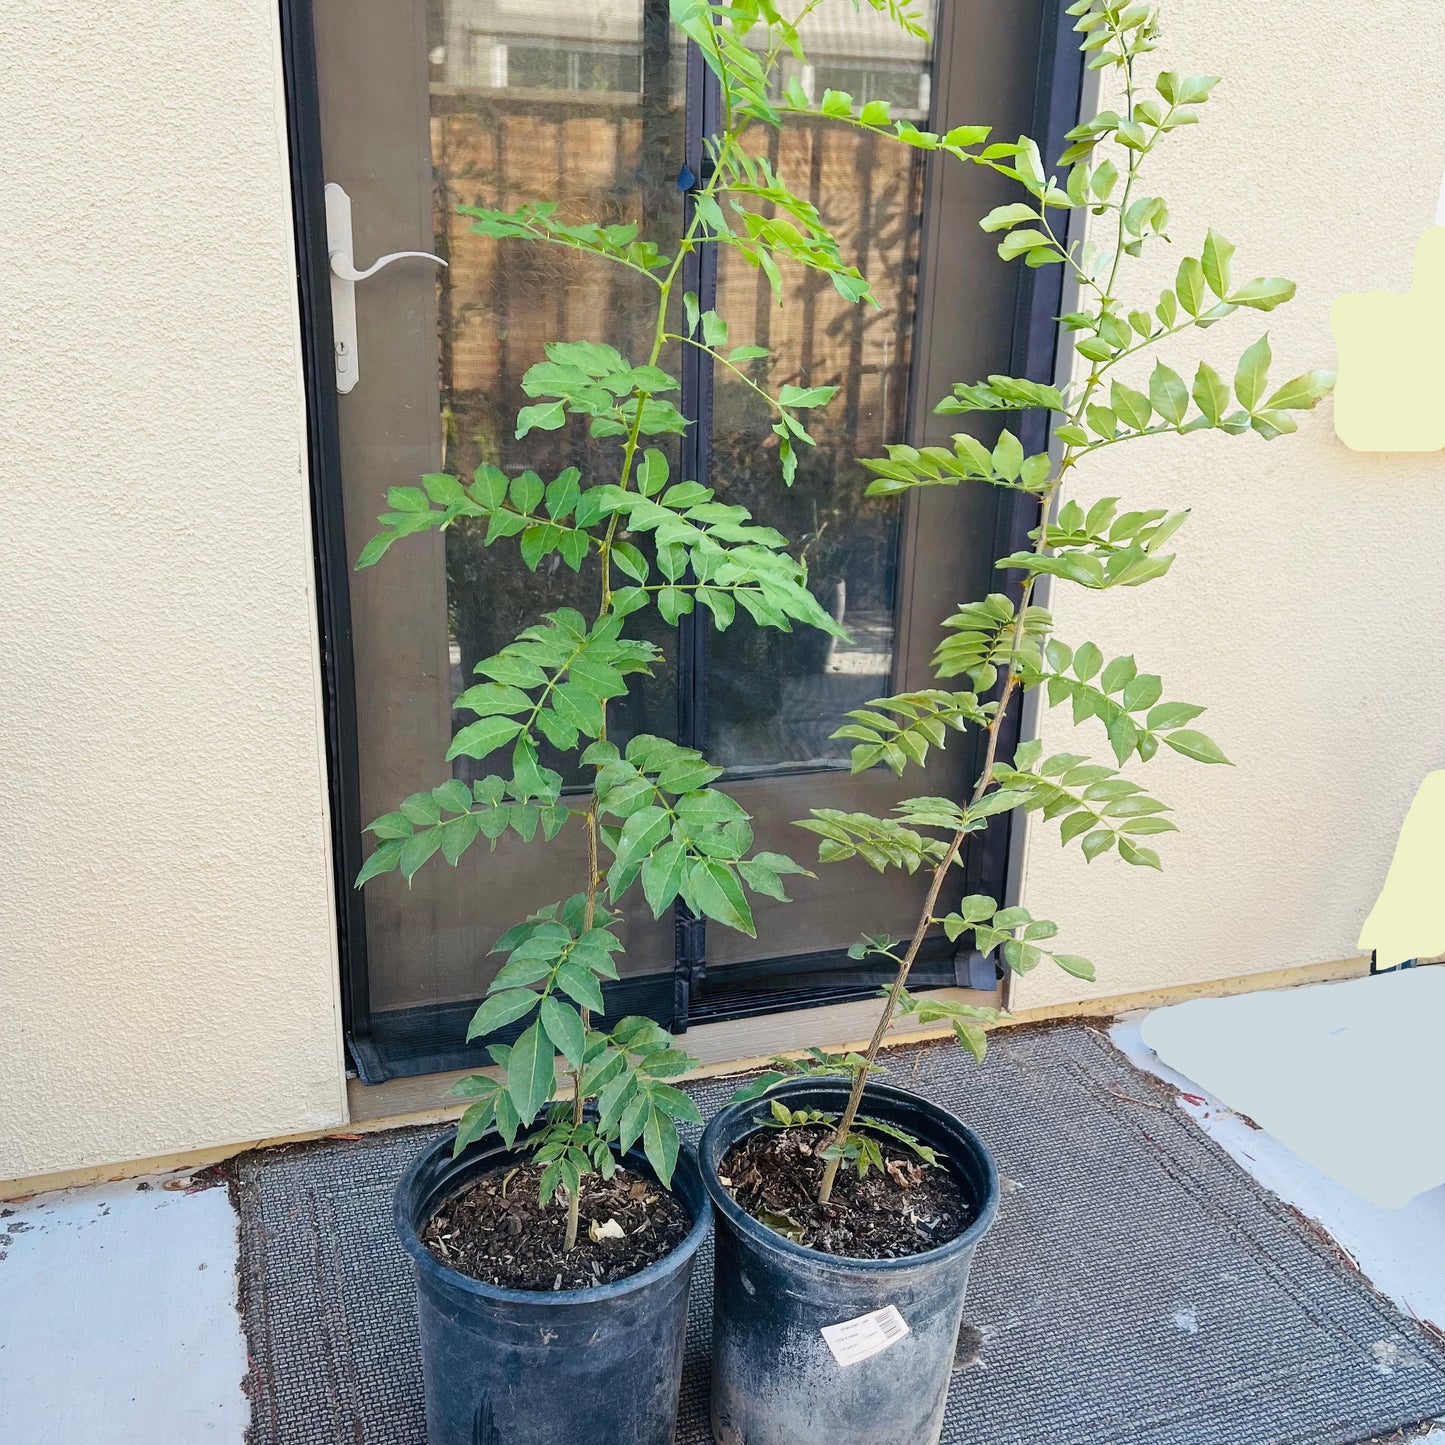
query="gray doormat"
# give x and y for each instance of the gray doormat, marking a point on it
(1137, 1289)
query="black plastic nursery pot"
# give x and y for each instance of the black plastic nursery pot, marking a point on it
(595, 1366)
(775, 1380)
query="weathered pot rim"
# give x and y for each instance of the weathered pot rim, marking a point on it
(713, 1145)
(492, 1152)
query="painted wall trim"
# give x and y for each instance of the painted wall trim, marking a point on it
(394, 1105)
(398, 1106)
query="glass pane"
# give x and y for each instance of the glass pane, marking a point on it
(540, 102)
(774, 698)
(423, 111)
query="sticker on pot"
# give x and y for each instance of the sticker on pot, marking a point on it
(868, 1335)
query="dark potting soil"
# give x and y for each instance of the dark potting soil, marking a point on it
(906, 1208)
(495, 1231)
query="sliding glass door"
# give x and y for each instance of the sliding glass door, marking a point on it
(424, 106)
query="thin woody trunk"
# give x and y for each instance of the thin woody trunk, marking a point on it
(1046, 501)
(935, 887)
(574, 1201)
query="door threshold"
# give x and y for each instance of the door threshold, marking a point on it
(722, 1048)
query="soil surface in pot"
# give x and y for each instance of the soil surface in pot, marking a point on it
(904, 1209)
(495, 1231)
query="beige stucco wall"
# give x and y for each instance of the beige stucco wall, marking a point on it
(1306, 607)
(167, 965)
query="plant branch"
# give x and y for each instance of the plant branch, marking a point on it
(1010, 687)
(736, 370)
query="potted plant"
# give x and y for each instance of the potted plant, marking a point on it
(848, 1211)
(553, 1241)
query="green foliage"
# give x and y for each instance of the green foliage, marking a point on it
(557, 950)
(969, 461)
(1001, 393)
(900, 730)
(587, 378)
(857, 1147)
(987, 636)
(708, 332)
(547, 517)
(966, 1020)
(555, 680)
(815, 1063)
(770, 221)
(537, 221)
(1090, 802)
(1124, 699)
(881, 842)
(451, 817)
(682, 838)
(1005, 645)
(705, 551)
(652, 814)
(1014, 932)
(961, 142)
(1127, 556)
(627, 1071)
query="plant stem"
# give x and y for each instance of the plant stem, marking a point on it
(995, 727)
(860, 1075)
(574, 1205)
(629, 454)
(736, 370)
(935, 887)
(574, 1200)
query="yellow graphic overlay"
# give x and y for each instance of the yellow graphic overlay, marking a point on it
(1408, 919)
(1390, 396)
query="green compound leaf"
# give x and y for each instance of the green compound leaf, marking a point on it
(717, 893)
(499, 1010)
(563, 1026)
(660, 1143)
(531, 1072)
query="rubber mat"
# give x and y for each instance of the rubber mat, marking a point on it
(1138, 1288)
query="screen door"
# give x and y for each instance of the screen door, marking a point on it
(428, 105)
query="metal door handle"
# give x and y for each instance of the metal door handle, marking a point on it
(344, 277)
(342, 268)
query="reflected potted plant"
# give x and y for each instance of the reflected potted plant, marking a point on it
(849, 1211)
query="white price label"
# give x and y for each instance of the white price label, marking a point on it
(868, 1335)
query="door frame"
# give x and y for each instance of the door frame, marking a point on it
(1035, 345)
(328, 536)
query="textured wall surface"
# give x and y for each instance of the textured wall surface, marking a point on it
(167, 965)
(1306, 607)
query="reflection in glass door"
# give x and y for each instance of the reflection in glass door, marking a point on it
(428, 106)
(529, 105)
(774, 699)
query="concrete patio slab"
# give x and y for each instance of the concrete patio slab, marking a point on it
(1348, 1076)
(1400, 1251)
(119, 1323)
